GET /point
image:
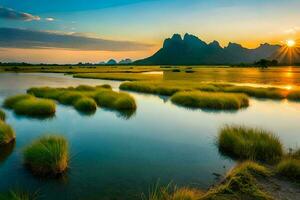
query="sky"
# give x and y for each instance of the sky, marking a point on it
(72, 31)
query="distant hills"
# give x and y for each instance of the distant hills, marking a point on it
(190, 50)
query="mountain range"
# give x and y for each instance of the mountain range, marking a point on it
(190, 50)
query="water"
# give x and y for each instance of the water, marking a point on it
(118, 158)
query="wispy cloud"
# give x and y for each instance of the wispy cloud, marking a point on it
(30, 39)
(292, 30)
(8, 13)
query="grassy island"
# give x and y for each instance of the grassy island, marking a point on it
(7, 134)
(47, 156)
(206, 100)
(249, 143)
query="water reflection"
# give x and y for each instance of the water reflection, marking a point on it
(6, 150)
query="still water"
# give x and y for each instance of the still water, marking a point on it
(118, 158)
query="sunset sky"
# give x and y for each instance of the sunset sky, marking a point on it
(71, 31)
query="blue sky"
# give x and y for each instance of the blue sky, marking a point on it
(141, 24)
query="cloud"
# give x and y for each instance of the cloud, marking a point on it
(50, 19)
(8, 13)
(292, 30)
(30, 39)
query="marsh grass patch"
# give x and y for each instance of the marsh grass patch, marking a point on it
(245, 143)
(47, 156)
(290, 168)
(7, 134)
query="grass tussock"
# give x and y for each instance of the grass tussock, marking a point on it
(47, 156)
(2, 115)
(115, 100)
(35, 107)
(249, 143)
(18, 195)
(11, 101)
(170, 87)
(208, 100)
(7, 134)
(85, 104)
(240, 183)
(294, 95)
(85, 98)
(290, 168)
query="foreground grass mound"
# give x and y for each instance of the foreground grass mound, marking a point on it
(240, 183)
(249, 143)
(17, 195)
(86, 104)
(208, 100)
(115, 100)
(35, 107)
(10, 102)
(47, 156)
(290, 168)
(2, 115)
(7, 134)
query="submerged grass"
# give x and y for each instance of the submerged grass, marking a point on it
(290, 168)
(48, 155)
(2, 115)
(249, 143)
(7, 134)
(206, 100)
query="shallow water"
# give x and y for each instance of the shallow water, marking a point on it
(118, 158)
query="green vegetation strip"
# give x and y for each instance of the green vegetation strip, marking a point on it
(85, 98)
(119, 76)
(48, 155)
(249, 143)
(206, 100)
(290, 168)
(30, 106)
(171, 87)
(7, 134)
(2, 115)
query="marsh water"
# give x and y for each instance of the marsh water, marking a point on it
(117, 157)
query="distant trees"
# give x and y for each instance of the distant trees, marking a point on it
(264, 63)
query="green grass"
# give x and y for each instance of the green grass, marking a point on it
(290, 168)
(35, 107)
(249, 143)
(240, 183)
(83, 97)
(86, 104)
(294, 95)
(2, 115)
(11, 101)
(119, 76)
(270, 93)
(208, 100)
(115, 100)
(18, 195)
(48, 155)
(7, 134)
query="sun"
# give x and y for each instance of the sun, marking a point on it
(290, 43)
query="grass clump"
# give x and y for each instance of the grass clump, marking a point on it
(290, 168)
(208, 100)
(115, 100)
(241, 183)
(249, 143)
(86, 104)
(294, 95)
(47, 156)
(35, 107)
(7, 134)
(18, 195)
(271, 93)
(69, 98)
(11, 101)
(2, 115)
